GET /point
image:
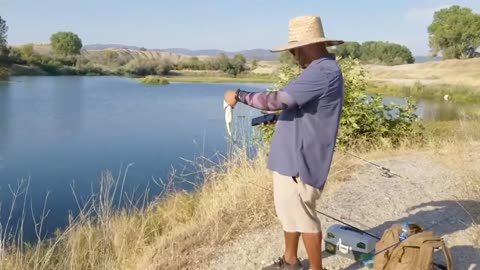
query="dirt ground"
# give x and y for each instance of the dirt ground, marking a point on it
(442, 192)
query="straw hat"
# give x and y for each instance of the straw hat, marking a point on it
(305, 30)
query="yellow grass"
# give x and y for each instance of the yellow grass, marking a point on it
(169, 233)
(463, 72)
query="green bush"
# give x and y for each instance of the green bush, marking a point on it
(4, 73)
(232, 67)
(144, 67)
(91, 70)
(364, 118)
(154, 80)
(65, 43)
(376, 52)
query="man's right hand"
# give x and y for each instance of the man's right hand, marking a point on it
(230, 98)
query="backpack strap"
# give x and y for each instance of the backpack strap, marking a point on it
(448, 255)
(425, 256)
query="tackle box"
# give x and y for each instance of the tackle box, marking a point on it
(348, 242)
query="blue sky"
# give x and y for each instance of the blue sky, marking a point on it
(219, 24)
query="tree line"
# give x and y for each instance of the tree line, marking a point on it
(371, 52)
(452, 33)
(66, 59)
(376, 52)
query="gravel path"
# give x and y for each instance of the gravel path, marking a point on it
(433, 195)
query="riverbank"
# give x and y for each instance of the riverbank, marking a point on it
(213, 227)
(175, 76)
(246, 79)
(441, 92)
(188, 79)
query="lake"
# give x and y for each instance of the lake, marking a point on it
(60, 133)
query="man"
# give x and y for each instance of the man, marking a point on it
(304, 139)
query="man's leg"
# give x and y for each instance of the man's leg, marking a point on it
(291, 247)
(313, 245)
(311, 223)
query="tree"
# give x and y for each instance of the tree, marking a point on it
(348, 49)
(453, 30)
(3, 32)
(238, 64)
(379, 52)
(254, 63)
(66, 44)
(26, 51)
(4, 51)
(286, 58)
(223, 62)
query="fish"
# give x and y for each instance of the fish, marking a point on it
(228, 117)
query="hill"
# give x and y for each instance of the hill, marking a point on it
(259, 54)
(107, 46)
(465, 72)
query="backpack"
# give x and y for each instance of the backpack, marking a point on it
(413, 253)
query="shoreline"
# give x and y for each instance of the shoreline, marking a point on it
(207, 79)
(463, 94)
(181, 76)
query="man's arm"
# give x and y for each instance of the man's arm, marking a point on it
(270, 101)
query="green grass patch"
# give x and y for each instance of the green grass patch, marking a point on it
(154, 80)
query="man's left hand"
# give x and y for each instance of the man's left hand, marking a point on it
(230, 98)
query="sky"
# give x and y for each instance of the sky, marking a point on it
(220, 24)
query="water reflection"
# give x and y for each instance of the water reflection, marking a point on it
(68, 105)
(428, 110)
(4, 122)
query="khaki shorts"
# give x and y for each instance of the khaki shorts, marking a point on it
(295, 204)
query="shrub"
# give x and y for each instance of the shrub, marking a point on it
(4, 73)
(154, 80)
(144, 67)
(365, 119)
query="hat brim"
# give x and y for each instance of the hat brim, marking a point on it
(291, 45)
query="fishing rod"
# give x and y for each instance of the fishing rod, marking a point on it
(270, 118)
(385, 171)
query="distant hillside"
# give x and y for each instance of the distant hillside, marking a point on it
(259, 54)
(125, 55)
(109, 46)
(97, 52)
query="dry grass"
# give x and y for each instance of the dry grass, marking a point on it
(171, 233)
(127, 55)
(177, 231)
(457, 72)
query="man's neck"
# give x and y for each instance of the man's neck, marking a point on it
(316, 56)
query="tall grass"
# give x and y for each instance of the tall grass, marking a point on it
(170, 232)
